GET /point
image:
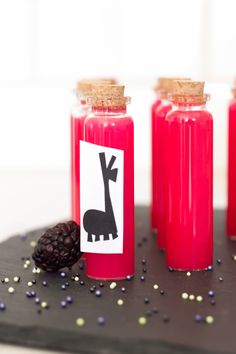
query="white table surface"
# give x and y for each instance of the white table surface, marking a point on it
(34, 198)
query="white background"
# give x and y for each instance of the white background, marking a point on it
(47, 45)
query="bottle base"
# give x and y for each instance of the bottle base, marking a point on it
(110, 278)
(187, 269)
(232, 237)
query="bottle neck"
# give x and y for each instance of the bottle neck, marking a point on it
(188, 107)
(108, 111)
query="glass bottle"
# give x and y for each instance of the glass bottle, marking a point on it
(189, 146)
(156, 103)
(158, 158)
(231, 209)
(78, 114)
(107, 200)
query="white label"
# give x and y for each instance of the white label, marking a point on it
(101, 198)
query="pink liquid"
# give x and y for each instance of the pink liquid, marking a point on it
(231, 210)
(160, 175)
(77, 134)
(190, 205)
(115, 131)
(154, 165)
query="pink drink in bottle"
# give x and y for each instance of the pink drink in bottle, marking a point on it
(231, 209)
(189, 141)
(107, 234)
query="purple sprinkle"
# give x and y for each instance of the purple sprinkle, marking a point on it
(69, 299)
(28, 293)
(45, 283)
(2, 306)
(37, 301)
(63, 274)
(92, 289)
(101, 320)
(98, 293)
(144, 270)
(162, 292)
(129, 277)
(198, 318)
(33, 281)
(213, 302)
(142, 277)
(81, 266)
(33, 293)
(211, 293)
(63, 287)
(166, 318)
(144, 261)
(63, 303)
(67, 284)
(101, 285)
(155, 310)
(123, 289)
(219, 261)
(210, 268)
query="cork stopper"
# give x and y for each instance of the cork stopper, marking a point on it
(84, 87)
(187, 91)
(234, 89)
(108, 96)
(165, 84)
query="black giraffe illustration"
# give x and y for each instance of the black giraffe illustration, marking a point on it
(98, 222)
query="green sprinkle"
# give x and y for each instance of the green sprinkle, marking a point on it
(142, 321)
(80, 322)
(209, 319)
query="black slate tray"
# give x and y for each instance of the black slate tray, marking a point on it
(55, 327)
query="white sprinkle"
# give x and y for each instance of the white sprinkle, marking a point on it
(113, 285)
(199, 298)
(27, 262)
(11, 290)
(44, 304)
(76, 278)
(16, 279)
(120, 302)
(33, 244)
(188, 274)
(155, 286)
(191, 297)
(184, 296)
(6, 280)
(30, 283)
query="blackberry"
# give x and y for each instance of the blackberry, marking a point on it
(58, 247)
